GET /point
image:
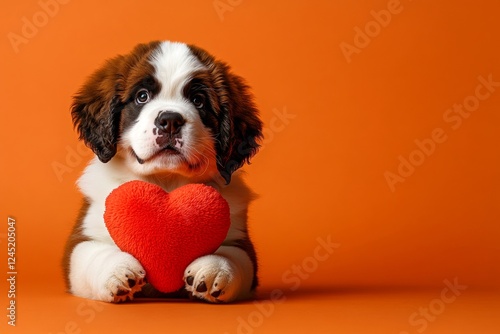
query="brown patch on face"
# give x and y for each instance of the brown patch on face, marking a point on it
(97, 106)
(239, 125)
(74, 239)
(201, 87)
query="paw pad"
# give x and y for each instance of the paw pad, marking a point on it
(212, 278)
(202, 287)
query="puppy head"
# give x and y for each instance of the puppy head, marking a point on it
(169, 108)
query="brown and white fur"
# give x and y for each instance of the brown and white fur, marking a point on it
(170, 114)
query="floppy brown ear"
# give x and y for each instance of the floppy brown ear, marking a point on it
(96, 109)
(97, 106)
(240, 128)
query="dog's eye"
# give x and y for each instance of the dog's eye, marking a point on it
(198, 100)
(142, 96)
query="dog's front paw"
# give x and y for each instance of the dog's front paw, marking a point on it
(213, 278)
(123, 277)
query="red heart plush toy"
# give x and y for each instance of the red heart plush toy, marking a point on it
(164, 231)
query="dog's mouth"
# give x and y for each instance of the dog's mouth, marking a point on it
(168, 150)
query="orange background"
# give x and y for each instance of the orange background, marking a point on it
(320, 173)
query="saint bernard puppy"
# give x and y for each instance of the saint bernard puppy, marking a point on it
(170, 114)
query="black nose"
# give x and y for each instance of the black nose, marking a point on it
(169, 122)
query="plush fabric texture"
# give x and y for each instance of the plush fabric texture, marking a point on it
(166, 231)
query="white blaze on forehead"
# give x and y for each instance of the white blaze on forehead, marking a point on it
(174, 64)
